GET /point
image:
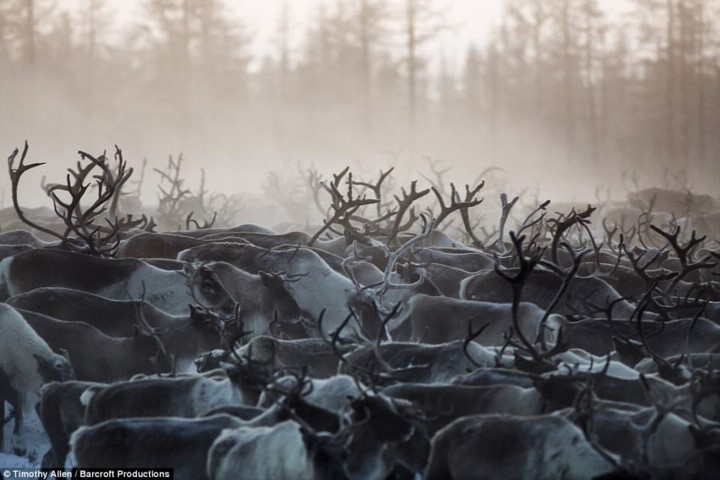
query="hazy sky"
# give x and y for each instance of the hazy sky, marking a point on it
(471, 21)
(471, 17)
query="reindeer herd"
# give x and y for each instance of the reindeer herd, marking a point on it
(386, 342)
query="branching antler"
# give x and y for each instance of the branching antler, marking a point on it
(343, 206)
(78, 219)
(567, 278)
(15, 174)
(562, 224)
(672, 372)
(633, 178)
(469, 339)
(517, 283)
(642, 269)
(506, 208)
(404, 204)
(315, 185)
(428, 226)
(455, 203)
(169, 199)
(376, 188)
(189, 221)
(439, 174)
(465, 214)
(685, 253)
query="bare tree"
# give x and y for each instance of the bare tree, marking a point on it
(369, 28)
(421, 23)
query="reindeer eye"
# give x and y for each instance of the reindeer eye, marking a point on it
(208, 286)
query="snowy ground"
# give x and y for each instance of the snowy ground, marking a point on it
(37, 444)
(36, 440)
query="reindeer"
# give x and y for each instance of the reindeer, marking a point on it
(26, 363)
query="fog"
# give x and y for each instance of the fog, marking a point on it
(563, 95)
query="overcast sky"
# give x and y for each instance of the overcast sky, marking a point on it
(471, 21)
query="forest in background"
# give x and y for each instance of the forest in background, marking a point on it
(561, 94)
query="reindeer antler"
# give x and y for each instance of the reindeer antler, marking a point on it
(344, 206)
(15, 174)
(78, 219)
(404, 204)
(455, 203)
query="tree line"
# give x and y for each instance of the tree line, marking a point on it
(559, 81)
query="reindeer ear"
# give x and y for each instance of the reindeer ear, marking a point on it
(309, 439)
(268, 280)
(198, 314)
(187, 269)
(45, 368)
(65, 354)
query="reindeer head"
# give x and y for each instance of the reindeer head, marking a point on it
(55, 368)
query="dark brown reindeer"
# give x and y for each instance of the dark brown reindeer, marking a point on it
(97, 357)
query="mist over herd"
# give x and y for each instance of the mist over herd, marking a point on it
(407, 332)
